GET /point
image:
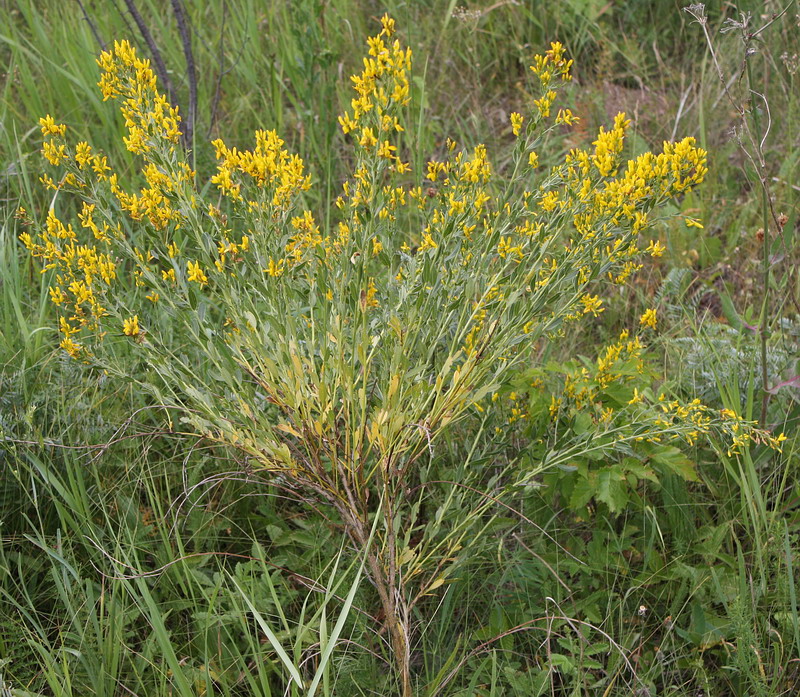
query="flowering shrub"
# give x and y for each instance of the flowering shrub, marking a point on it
(601, 429)
(339, 354)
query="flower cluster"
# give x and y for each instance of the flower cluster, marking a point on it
(698, 420)
(279, 176)
(83, 273)
(148, 115)
(380, 88)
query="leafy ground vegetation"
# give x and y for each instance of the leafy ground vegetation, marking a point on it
(474, 374)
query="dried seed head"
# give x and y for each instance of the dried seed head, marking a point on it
(698, 11)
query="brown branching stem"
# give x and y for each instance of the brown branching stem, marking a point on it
(191, 72)
(158, 61)
(92, 26)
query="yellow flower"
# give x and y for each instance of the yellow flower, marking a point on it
(65, 327)
(543, 105)
(387, 24)
(369, 298)
(386, 150)
(83, 154)
(130, 327)
(196, 273)
(368, 139)
(51, 128)
(275, 269)
(57, 296)
(637, 396)
(690, 222)
(53, 153)
(427, 242)
(648, 319)
(593, 304)
(516, 123)
(70, 347)
(565, 116)
(533, 160)
(347, 123)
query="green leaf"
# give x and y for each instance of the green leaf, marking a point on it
(582, 493)
(611, 488)
(563, 663)
(675, 461)
(582, 423)
(273, 640)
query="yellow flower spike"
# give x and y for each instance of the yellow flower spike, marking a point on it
(130, 327)
(54, 154)
(637, 397)
(516, 123)
(691, 222)
(72, 348)
(370, 299)
(550, 201)
(543, 105)
(347, 123)
(648, 319)
(83, 154)
(57, 296)
(655, 249)
(274, 268)
(566, 117)
(65, 327)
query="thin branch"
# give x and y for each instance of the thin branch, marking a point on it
(191, 72)
(769, 122)
(774, 19)
(92, 25)
(161, 68)
(221, 71)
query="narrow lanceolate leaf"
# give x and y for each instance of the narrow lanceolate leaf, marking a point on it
(330, 644)
(273, 640)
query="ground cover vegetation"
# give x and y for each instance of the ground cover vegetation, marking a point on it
(472, 374)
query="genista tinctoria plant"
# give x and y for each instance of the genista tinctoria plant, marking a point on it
(337, 357)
